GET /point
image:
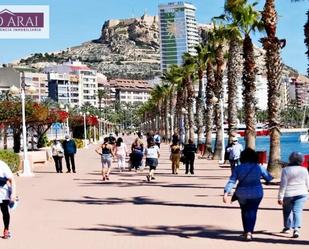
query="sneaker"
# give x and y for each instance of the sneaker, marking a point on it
(248, 236)
(152, 178)
(285, 230)
(296, 233)
(148, 178)
(6, 234)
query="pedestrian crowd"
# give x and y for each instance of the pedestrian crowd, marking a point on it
(246, 175)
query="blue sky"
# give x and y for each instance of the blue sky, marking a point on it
(73, 22)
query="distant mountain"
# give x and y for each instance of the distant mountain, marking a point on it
(127, 48)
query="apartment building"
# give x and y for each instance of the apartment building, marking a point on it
(178, 32)
(73, 82)
(129, 91)
(10, 76)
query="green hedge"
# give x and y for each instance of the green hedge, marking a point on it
(79, 142)
(11, 158)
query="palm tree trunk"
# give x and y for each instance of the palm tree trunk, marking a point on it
(233, 76)
(200, 108)
(166, 123)
(249, 91)
(209, 110)
(190, 101)
(219, 95)
(179, 115)
(174, 120)
(272, 46)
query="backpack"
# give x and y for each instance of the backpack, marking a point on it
(157, 139)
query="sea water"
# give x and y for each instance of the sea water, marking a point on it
(289, 143)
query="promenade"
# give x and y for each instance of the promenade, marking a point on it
(80, 211)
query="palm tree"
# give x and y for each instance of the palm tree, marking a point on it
(200, 60)
(101, 95)
(218, 38)
(272, 46)
(189, 69)
(233, 64)
(209, 96)
(174, 77)
(248, 20)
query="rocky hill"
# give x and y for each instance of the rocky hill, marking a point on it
(127, 48)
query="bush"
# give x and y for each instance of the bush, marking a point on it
(43, 141)
(79, 143)
(11, 158)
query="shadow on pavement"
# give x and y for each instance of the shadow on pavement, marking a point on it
(188, 232)
(142, 200)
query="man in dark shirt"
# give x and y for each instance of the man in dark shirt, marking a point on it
(69, 148)
(189, 153)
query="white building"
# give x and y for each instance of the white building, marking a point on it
(82, 82)
(178, 32)
(13, 76)
(129, 91)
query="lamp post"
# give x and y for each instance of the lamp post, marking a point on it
(182, 126)
(67, 107)
(14, 90)
(85, 129)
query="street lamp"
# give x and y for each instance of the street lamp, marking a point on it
(85, 128)
(67, 111)
(14, 90)
(214, 100)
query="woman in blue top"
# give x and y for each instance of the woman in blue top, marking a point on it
(249, 190)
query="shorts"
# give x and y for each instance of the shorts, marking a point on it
(152, 163)
(106, 160)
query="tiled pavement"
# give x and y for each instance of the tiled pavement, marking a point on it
(79, 211)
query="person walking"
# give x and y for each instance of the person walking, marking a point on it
(69, 148)
(234, 153)
(189, 151)
(106, 152)
(152, 154)
(175, 156)
(57, 153)
(293, 193)
(157, 139)
(7, 196)
(121, 152)
(137, 153)
(249, 190)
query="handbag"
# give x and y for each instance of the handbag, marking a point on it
(234, 196)
(60, 153)
(182, 159)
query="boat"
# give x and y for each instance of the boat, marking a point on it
(260, 130)
(304, 138)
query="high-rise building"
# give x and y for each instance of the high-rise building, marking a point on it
(178, 32)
